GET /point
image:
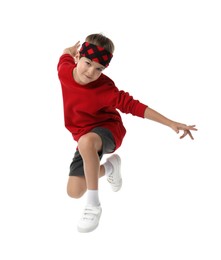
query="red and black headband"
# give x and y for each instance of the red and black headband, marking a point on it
(96, 53)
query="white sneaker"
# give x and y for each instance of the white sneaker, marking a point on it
(89, 219)
(115, 177)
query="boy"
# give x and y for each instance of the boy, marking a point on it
(91, 100)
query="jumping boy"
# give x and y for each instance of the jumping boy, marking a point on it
(91, 100)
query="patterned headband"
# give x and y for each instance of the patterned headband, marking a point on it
(96, 53)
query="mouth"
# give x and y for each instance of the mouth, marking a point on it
(86, 76)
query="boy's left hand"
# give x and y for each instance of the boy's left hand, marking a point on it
(186, 129)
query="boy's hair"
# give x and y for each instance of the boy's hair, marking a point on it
(99, 39)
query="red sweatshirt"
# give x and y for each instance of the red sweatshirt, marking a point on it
(95, 104)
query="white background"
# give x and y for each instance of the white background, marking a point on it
(167, 56)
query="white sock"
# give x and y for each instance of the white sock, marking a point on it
(93, 198)
(108, 167)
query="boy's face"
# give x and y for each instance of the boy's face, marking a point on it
(87, 70)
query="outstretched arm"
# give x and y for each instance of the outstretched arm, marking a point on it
(157, 117)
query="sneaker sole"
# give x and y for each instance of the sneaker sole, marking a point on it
(82, 230)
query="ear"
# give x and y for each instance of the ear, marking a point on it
(77, 57)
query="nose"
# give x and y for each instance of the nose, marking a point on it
(90, 71)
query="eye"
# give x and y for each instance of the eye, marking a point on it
(87, 62)
(100, 69)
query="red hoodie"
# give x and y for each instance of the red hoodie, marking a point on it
(94, 104)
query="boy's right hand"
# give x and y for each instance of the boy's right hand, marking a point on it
(72, 50)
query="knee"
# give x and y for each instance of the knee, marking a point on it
(85, 142)
(89, 141)
(76, 186)
(75, 193)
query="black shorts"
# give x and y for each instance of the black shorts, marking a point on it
(108, 146)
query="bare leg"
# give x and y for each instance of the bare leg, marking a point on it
(76, 186)
(88, 146)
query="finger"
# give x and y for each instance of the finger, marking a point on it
(190, 134)
(192, 127)
(183, 135)
(77, 44)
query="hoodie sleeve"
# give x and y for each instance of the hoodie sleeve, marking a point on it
(127, 104)
(65, 68)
